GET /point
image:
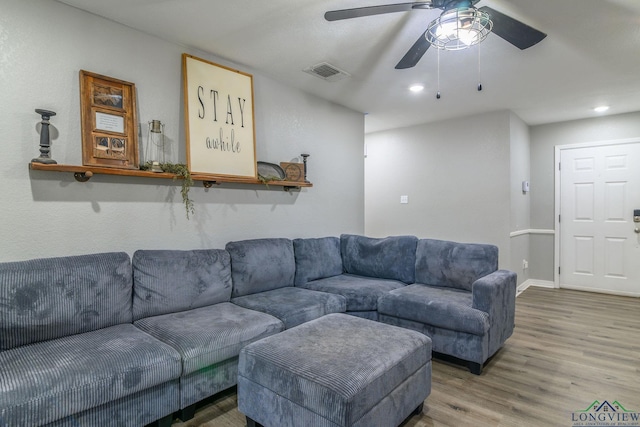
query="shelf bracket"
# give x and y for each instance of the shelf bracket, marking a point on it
(209, 184)
(289, 188)
(83, 176)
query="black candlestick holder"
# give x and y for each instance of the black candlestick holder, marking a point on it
(304, 160)
(45, 140)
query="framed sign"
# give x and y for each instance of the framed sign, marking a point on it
(219, 119)
(109, 122)
(293, 171)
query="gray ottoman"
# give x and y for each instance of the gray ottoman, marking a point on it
(338, 370)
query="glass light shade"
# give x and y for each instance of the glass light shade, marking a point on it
(460, 28)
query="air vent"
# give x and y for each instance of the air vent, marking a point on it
(327, 72)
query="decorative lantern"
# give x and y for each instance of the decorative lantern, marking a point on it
(155, 150)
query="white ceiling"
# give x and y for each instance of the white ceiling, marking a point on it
(591, 55)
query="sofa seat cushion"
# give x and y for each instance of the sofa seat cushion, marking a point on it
(209, 335)
(293, 305)
(54, 379)
(432, 305)
(361, 292)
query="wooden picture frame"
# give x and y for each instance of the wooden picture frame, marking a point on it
(219, 119)
(109, 122)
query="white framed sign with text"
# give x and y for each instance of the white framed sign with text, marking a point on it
(219, 119)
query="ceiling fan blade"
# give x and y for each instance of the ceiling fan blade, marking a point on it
(413, 55)
(336, 15)
(515, 32)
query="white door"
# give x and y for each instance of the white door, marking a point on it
(599, 240)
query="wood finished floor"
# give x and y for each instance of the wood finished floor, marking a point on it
(569, 348)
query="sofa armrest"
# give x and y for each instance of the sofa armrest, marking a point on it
(495, 294)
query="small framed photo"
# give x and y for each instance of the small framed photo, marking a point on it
(106, 96)
(109, 122)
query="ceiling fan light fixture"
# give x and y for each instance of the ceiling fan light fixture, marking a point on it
(459, 28)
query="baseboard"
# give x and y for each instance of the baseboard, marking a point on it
(549, 284)
(602, 291)
(534, 282)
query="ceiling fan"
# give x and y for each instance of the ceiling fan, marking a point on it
(515, 32)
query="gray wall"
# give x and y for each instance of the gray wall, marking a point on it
(477, 164)
(43, 45)
(520, 202)
(520, 171)
(544, 138)
(456, 174)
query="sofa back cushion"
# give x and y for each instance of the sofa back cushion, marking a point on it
(454, 265)
(168, 281)
(44, 299)
(261, 265)
(386, 258)
(317, 259)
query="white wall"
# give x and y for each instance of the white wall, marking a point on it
(456, 174)
(544, 138)
(43, 45)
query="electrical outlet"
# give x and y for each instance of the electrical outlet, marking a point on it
(525, 264)
(404, 199)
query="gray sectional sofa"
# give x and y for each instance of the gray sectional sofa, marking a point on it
(103, 339)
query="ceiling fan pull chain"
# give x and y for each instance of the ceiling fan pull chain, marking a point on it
(479, 76)
(438, 93)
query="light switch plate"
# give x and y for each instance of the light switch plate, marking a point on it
(404, 199)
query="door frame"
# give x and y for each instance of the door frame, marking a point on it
(558, 152)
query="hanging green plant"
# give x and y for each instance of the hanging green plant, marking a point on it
(180, 170)
(265, 179)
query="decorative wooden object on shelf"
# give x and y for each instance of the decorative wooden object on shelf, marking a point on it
(294, 171)
(45, 140)
(109, 122)
(84, 173)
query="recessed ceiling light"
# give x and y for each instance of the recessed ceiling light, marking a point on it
(416, 88)
(601, 109)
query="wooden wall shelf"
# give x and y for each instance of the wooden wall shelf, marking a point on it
(84, 173)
